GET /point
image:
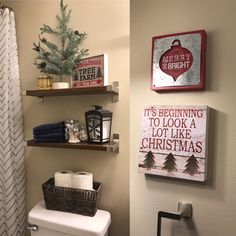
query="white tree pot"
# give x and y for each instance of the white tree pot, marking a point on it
(60, 85)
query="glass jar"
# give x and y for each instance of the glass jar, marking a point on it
(45, 82)
(72, 131)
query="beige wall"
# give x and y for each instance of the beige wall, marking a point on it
(107, 25)
(214, 207)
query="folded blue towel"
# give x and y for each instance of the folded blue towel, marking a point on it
(57, 130)
(49, 140)
(48, 127)
(50, 135)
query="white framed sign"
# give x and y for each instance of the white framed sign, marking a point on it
(174, 141)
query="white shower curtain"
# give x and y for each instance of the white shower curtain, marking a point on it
(12, 168)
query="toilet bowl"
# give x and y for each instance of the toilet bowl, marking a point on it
(43, 222)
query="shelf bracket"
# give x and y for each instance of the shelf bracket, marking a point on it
(41, 100)
(23, 93)
(114, 87)
(114, 144)
(115, 98)
(25, 144)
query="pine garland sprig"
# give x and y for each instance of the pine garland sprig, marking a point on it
(73, 41)
(53, 47)
(36, 47)
(83, 52)
(50, 59)
(47, 68)
(49, 30)
(63, 23)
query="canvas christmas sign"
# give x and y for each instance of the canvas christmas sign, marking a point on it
(178, 61)
(91, 72)
(174, 141)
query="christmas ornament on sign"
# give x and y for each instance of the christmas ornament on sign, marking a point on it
(179, 61)
(176, 61)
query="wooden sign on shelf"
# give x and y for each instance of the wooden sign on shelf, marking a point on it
(91, 72)
(174, 141)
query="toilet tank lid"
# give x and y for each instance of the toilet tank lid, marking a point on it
(70, 223)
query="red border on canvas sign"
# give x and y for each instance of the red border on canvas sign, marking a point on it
(201, 85)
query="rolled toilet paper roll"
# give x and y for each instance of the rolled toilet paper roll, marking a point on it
(63, 178)
(82, 180)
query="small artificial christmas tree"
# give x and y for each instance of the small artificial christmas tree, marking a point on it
(192, 166)
(149, 161)
(169, 163)
(61, 60)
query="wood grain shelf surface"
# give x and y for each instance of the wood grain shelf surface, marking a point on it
(108, 147)
(109, 89)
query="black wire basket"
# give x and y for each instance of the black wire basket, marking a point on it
(80, 201)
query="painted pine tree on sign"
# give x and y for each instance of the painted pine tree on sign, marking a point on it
(99, 72)
(169, 163)
(149, 161)
(192, 166)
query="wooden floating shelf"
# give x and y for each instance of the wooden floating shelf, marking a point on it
(109, 89)
(108, 147)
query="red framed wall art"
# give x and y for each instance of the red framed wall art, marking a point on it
(179, 61)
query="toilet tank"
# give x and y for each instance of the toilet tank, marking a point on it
(57, 223)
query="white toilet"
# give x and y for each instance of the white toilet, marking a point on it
(43, 222)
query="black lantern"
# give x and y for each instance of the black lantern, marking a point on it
(98, 124)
